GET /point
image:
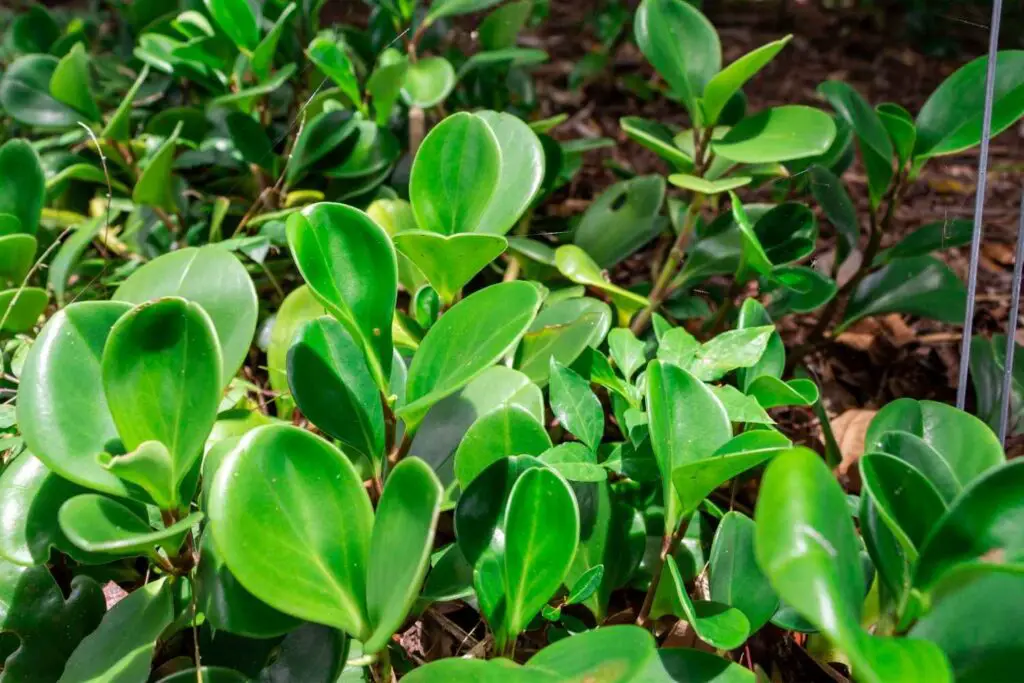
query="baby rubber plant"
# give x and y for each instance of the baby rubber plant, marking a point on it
(894, 147)
(22, 196)
(724, 149)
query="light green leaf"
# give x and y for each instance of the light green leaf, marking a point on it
(509, 430)
(778, 134)
(155, 186)
(575, 405)
(236, 19)
(70, 83)
(731, 79)
(449, 262)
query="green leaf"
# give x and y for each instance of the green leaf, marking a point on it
(696, 479)
(251, 140)
(771, 392)
(740, 407)
(773, 360)
(161, 372)
(830, 193)
(708, 187)
(987, 651)
(155, 186)
(951, 120)
(753, 259)
(331, 59)
(151, 468)
(236, 19)
(98, 524)
(121, 648)
(575, 462)
(262, 58)
(22, 185)
(46, 627)
(899, 124)
(658, 138)
(931, 237)
(687, 423)
(876, 148)
(332, 386)
(63, 415)
(34, 30)
(730, 350)
(501, 27)
(211, 277)
(329, 138)
(521, 171)
(681, 664)
(576, 265)
(564, 331)
(230, 607)
(450, 577)
(291, 518)
(384, 86)
(349, 264)
(575, 405)
(245, 98)
(906, 501)
(30, 496)
(542, 528)
(950, 447)
(298, 308)
(509, 430)
(681, 45)
(17, 253)
(455, 174)
(777, 134)
(428, 82)
(476, 670)
(450, 8)
(376, 150)
(20, 308)
(476, 333)
(25, 94)
(716, 624)
(627, 351)
(736, 580)
(730, 80)
(981, 525)
(803, 289)
(70, 83)
(403, 536)
(586, 585)
(610, 654)
(449, 262)
(919, 285)
(622, 220)
(806, 545)
(677, 346)
(210, 674)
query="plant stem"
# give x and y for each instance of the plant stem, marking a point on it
(714, 326)
(382, 671)
(668, 547)
(668, 271)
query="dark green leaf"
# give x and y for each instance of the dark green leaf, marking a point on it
(25, 94)
(22, 184)
(931, 237)
(736, 579)
(622, 220)
(919, 285)
(575, 405)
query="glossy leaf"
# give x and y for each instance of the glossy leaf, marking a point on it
(727, 82)
(575, 264)
(298, 308)
(236, 19)
(428, 82)
(716, 624)
(123, 644)
(522, 171)
(17, 253)
(262, 58)
(542, 526)
(681, 44)
(509, 430)
(951, 120)
(451, 8)
(981, 525)
(449, 262)
(403, 536)
(64, 418)
(349, 264)
(907, 502)
(831, 195)
(575, 405)
(777, 134)
(155, 186)
(690, 664)
(771, 392)
(384, 86)
(564, 330)
(20, 308)
(736, 579)
(876, 148)
(708, 187)
(627, 351)
(22, 184)
(622, 220)
(455, 174)
(658, 138)
(98, 524)
(477, 670)
(730, 350)
(476, 333)
(161, 373)
(70, 83)
(332, 386)
(330, 137)
(314, 521)
(25, 94)
(931, 237)
(740, 407)
(688, 424)
(331, 59)
(611, 654)
(919, 285)
(899, 124)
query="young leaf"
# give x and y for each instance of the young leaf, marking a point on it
(70, 83)
(151, 468)
(98, 524)
(291, 518)
(455, 174)
(331, 59)
(730, 350)
(428, 82)
(586, 585)
(332, 386)
(162, 378)
(731, 79)
(215, 279)
(627, 351)
(403, 536)
(778, 134)
(476, 333)
(716, 624)
(708, 187)
(688, 424)
(509, 430)
(449, 262)
(349, 264)
(542, 528)
(384, 86)
(22, 185)
(63, 415)
(575, 405)
(576, 265)
(236, 19)
(736, 580)
(155, 186)
(681, 44)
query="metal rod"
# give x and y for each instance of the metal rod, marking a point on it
(979, 203)
(1011, 328)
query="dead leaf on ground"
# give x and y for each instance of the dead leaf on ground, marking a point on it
(861, 335)
(899, 332)
(998, 252)
(850, 429)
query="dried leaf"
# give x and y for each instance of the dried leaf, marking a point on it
(850, 428)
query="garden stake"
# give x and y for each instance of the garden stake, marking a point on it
(979, 203)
